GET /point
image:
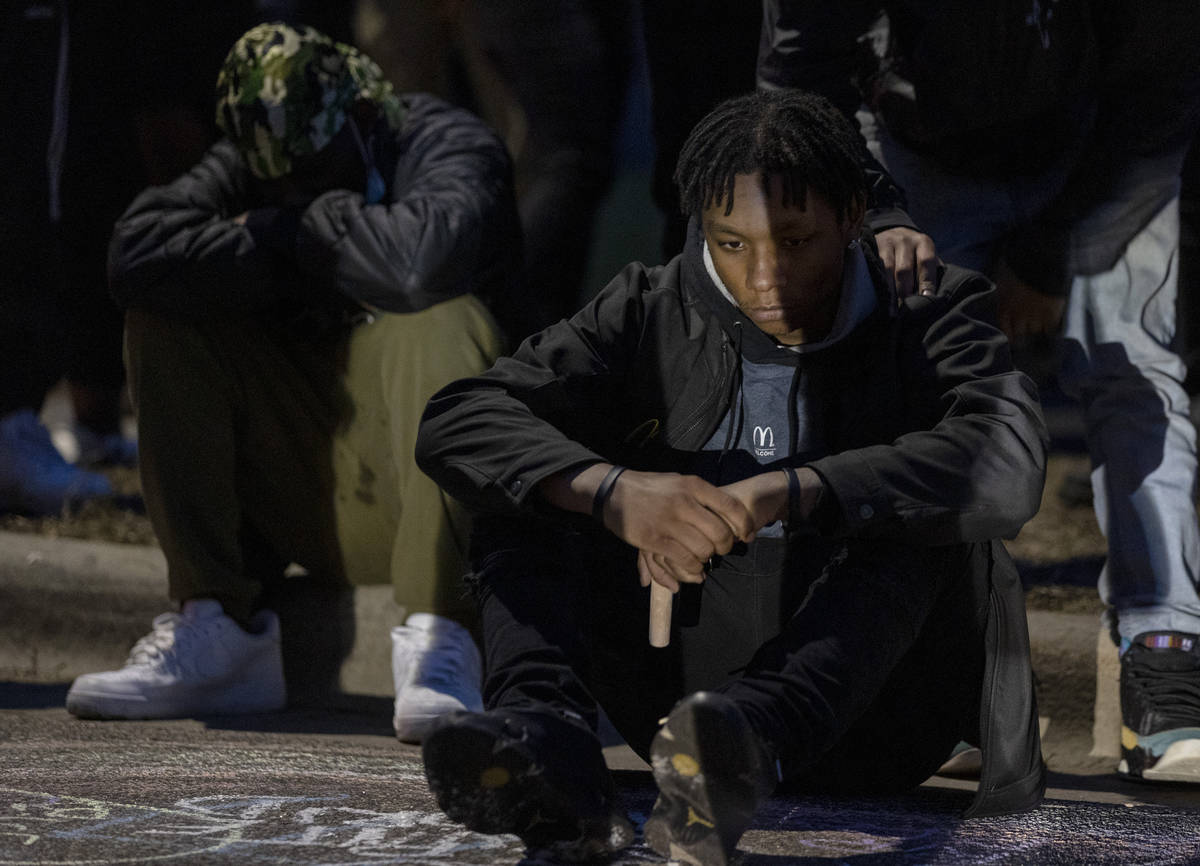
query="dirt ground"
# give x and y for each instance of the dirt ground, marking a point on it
(121, 520)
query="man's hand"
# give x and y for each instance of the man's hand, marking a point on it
(681, 519)
(767, 495)
(766, 498)
(909, 260)
(1021, 309)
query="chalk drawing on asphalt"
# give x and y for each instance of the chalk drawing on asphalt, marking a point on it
(47, 829)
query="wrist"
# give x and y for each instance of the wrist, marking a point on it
(805, 493)
(791, 504)
(603, 491)
(574, 489)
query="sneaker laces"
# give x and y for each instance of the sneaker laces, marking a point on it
(1172, 692)
(153, 646)
(167, 644)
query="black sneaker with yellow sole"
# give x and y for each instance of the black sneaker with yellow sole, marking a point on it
(1160, 707)
(712, 773)
(533, 774)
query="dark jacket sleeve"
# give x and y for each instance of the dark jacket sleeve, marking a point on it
(450, 222)
(1148, 113)
(178, 250)
(815, 46)
(489, 440)
(974, 468)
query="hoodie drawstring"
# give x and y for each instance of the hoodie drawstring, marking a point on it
(794, 413)
(737, 408)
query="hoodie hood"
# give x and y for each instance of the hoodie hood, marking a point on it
(865, 293)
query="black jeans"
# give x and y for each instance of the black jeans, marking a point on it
(858, 662)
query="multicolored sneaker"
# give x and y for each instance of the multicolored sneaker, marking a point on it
(712, 773)
(1160, 707)
(532, 774)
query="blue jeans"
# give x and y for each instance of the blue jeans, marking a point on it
(1118, 360)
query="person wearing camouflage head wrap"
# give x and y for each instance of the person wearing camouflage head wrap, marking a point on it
(269, 397)
(285, 92)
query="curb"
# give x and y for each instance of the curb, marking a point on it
(69, 607)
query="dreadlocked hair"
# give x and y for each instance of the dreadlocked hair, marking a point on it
(796, 135)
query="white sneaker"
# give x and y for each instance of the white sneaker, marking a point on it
(198, 662)
(437, 669)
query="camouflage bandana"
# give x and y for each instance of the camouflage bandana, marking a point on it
(284, 92)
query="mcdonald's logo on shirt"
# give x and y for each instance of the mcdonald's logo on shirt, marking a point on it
(764, 442)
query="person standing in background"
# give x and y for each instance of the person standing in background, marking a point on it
(1042, 143)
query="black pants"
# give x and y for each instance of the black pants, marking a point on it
(859, 662)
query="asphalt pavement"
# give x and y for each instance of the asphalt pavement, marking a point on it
(326, 781)
(323, 787)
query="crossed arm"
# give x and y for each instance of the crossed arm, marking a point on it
(678, 522)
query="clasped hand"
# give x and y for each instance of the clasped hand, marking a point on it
(679, 522)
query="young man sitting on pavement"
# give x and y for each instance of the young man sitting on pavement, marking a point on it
(292, 302)
(820, 471)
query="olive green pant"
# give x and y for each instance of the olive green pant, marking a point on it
(261, 447)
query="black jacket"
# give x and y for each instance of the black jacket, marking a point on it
(935, 438)
(447, 226)
(1108, 91)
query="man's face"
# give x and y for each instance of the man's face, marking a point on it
(782, 265)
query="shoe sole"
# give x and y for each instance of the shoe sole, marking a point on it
(414, 731)
(706, 792)
(967, 764)
(479, 781)
(1178, 755)
(496, 785)
(414, 726)
(225, 701)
